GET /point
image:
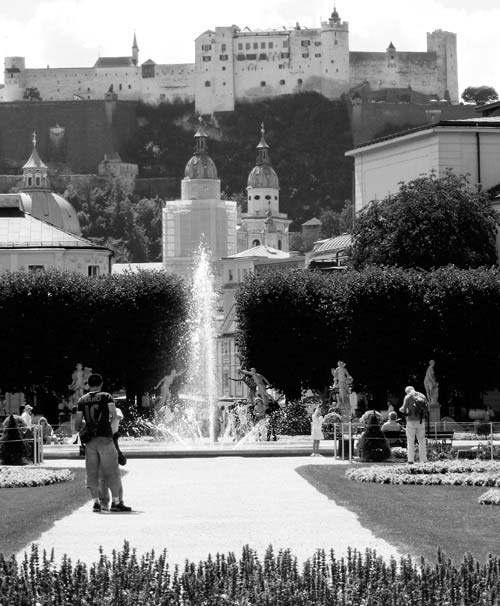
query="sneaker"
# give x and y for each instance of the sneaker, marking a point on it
(104, 506)
(96, 508)
(120, 507)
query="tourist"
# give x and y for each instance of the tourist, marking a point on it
(415, 424)
(98, 410)
(48, 436)
(392, 429)
(316, 430)
(27, 416)
(261, 383)
(104, 489)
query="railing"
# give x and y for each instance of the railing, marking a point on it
(36, 440)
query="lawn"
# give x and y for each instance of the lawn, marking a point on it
(27, 512)
(415, 519)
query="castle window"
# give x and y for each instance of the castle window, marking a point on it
(257, 197)
(229, 275)
(279, 244)
(206, 47)
(255, 45)
(275, 197)
(207, 58)
(305, 43)
(317, 44)
(88, 90)
(240, 46)
(281, 66)
(223, 84)
(268, 197)
(335, 42)
(299, 81)
(263, 83)
(130, 86)
(241, 57)
(247, 45)
(207, 82)
(285, 55)
(251, 57)
(285, 43)
(223, 68)
(263, 57)
(262, 45)
(223, 57)
(30, 180)
(93, 271)
(282, 82)
(317, 54)
(256, 243)
(270, 45)
(120, 87)
(223, 48)
(305, 55)
(37, 180)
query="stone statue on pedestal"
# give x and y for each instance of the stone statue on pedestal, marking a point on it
(342, 382)
(431, 385)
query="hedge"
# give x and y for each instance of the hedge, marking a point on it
(128, 327)
(385, 323)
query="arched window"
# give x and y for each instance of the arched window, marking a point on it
(257, 197)
(256, 243)
(29, 180)
(279, 244)
(37, 180)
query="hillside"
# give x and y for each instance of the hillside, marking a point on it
(307, 133)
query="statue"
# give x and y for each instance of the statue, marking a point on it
(342, 382)
(431, 385)
(164, 385)
(77, 384)
(260, 383)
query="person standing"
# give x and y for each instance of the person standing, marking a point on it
(316, 430)
(26, 416)
(97, 408)
(414, 407)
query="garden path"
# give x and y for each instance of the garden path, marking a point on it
(199, 506)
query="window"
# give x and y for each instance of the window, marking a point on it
(305, 43)
(38, 180)
(223, 48)
(247, 45)
(299, 81)
(230, 275)
(120, 87)
(255, 45)
(223, 57)
(240, 46)
(30, 180)
(279, 244)
(335, 42)
(257, 197)
(207, 83)
(93, 271)
(305, 55)
(270, 45)
(317, 54)
(240, 57)
(129, 86)
(285, 43)
(206, 47)
(268, 197)
(207, 58)
(256, 243)
(252, 57)
(285, 55)
(282, 82)
(263, 83)
(281, 66)
(36, 268)
(263, 57)
(262, 45)
(223, 68)
(317, 44)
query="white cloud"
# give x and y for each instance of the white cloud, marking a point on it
(74, 32)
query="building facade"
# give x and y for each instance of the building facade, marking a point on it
(235, 65)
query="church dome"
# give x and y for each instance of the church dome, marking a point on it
(263, 176)
(51, 208)
(200, 167)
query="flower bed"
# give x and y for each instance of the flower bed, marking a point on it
(452, 473)
(17, 477)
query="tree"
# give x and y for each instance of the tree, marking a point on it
(430, 222)
(32, 94)
(373, 445)
(479, 95)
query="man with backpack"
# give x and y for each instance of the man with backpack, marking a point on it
(416, 411)
(97, 408)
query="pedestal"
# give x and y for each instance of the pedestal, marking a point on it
(434, 413)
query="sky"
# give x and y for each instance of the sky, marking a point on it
(73, 33)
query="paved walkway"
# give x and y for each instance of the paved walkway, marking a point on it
(194, 507)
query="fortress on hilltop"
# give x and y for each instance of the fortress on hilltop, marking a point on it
(242, 65)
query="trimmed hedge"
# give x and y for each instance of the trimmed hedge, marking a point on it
(386, 323)
(358, 579)
(128, 327)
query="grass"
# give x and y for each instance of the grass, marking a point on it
(415, 519)
(28, 512)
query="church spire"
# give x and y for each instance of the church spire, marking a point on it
(135, 51)
(35, 170)
(263, 156)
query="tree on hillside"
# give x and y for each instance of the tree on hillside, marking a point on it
(429, 223)
(32, 94)
(334, 223)
(479, 95)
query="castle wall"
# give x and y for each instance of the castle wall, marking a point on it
(92, 129)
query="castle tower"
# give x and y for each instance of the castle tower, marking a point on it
(14, 78)
(444, 44)
(200, 215)
(35, 172)
(335, 70)
(263, 223)
(135, 52)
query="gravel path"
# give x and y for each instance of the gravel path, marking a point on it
(194, 507)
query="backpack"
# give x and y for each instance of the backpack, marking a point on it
(418, 408)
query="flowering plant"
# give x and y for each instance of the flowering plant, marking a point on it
(16, 477)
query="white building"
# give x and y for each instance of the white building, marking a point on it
(200, 215)
(467, 147)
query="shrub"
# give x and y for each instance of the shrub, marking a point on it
(13, 449)
(373, 445)
(293, 420)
